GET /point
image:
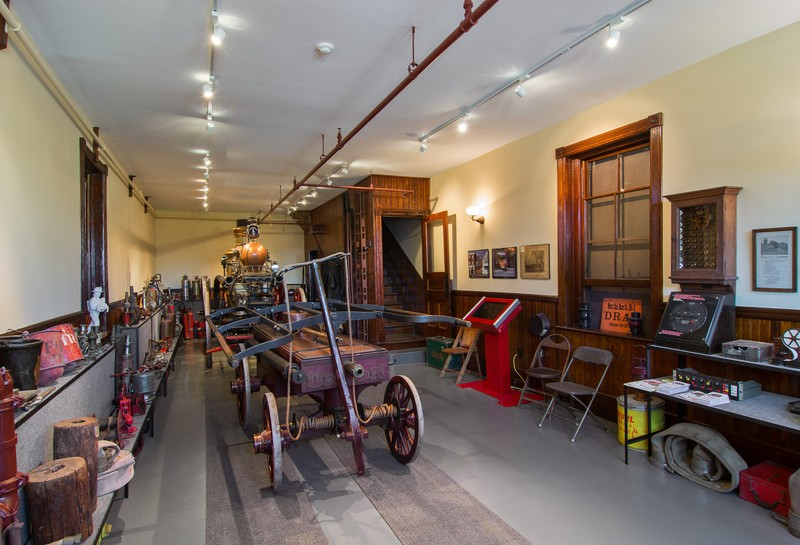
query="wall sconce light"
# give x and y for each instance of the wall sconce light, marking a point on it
(474, 214)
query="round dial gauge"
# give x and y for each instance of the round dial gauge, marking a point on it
(688, 316)
(252, 231)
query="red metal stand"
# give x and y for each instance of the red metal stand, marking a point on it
(494, 324)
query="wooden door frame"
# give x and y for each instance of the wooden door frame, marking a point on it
(94, 225)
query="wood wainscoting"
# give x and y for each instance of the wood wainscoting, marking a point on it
(755, 442)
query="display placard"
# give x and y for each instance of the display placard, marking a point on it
(615, 312)
(491, 313)
(697, 321)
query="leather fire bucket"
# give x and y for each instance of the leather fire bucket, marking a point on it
(22, 359)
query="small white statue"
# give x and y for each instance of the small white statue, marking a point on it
(96, 305)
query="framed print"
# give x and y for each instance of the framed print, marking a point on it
(504, 262)
(478, 263)
(534, 261)
(775, 259)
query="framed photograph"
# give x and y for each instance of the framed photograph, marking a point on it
(504, 262)
(775, 259)
(478, 263)
(534, 261)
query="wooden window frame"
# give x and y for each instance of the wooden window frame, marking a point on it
(3, 31)
(94, 225)
(572, 216)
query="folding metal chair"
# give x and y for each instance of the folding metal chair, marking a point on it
(465, 345)
(574, 392)
(554, 349)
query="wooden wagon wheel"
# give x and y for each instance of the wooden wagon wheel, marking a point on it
(242, 388)
(405, 430)
(271, 423)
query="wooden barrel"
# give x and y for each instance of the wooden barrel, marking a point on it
(58, 500)
(78, 437)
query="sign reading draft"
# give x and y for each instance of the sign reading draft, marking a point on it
(615, 312)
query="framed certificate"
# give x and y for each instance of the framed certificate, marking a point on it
(775, 259)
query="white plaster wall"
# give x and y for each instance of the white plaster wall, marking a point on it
(192, 244)
(729, 120)
(40, 181)
(40, 186)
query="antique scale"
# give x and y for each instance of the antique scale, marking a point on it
(700, 317)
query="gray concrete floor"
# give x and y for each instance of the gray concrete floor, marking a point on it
(550, 490)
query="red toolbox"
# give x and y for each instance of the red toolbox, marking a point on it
(766, 484)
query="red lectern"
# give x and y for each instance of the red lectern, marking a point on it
(492, 316)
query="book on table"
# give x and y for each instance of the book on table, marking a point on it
(709, 399)
(648, 385)
(672, 387)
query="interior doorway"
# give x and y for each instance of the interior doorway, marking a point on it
(403, 287)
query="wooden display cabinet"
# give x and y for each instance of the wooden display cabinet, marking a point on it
(704, 237)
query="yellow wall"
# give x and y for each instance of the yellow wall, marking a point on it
(40, 180)
(729, 120)
(192, 244)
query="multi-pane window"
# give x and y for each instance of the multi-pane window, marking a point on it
(609, 216)
(617, 203)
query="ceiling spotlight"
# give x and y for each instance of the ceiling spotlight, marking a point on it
(292, 208)
(206, 174)
(302, 202)
(520, 90)
(613, 38)
(423, 147)
(204, 197)
(325, 48)
(205, 204)
(207, 161)
(344, 169)
(462, 125)
(208, 92)
(328, 181)
(312, 194)
(205, 189)
(218, 36)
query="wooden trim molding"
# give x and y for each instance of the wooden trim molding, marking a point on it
(776, 314)
(3, 31)
(521, 296)
(571, 219)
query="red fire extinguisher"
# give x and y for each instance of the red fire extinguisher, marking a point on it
(188, 324)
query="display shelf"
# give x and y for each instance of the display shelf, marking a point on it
(725, 359)
(143, 423)
(62, 382)
(767, 408)
(86, 390)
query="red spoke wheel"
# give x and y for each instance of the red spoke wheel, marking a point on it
(242, 388)
(274, 458)
(404, 431)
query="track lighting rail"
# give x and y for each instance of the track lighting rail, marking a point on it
(471, 18)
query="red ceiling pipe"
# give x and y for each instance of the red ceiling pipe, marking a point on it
(470, 19)
(10, 480)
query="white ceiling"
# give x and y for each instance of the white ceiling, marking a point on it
(131, 67)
